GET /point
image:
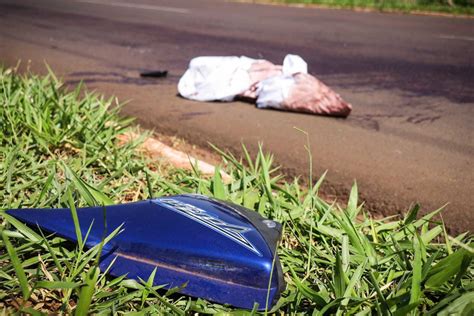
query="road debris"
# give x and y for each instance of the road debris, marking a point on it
(195, 245)
(285, 87)
(154, 74)
(176, 158)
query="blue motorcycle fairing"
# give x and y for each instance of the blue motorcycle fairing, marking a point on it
(223, 252)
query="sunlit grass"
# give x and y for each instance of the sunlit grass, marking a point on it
(458, 7)
(59, 149)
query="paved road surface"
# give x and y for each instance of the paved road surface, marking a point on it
(409, 78)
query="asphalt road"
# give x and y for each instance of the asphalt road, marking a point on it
(409, 78)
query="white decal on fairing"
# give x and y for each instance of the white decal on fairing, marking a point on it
(231, 231)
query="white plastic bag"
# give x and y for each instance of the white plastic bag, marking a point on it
(215, 78)
(293, 64)
(272, 92)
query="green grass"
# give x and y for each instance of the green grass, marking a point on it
(442, 6)
(59, 149)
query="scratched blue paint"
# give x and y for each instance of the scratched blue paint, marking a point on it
(223, 252)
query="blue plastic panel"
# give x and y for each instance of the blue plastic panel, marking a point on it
(223, 252)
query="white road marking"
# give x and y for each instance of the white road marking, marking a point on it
(137, 6)
(454, 37)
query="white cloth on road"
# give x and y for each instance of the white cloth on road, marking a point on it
(215, 78)
(286, 87)
(293, 64)
(211, 78)
(272, 91)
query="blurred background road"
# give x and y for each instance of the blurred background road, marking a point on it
(410, 80)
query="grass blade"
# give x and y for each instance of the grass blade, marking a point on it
(16, 265)
(77, 226)
(415, 293)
